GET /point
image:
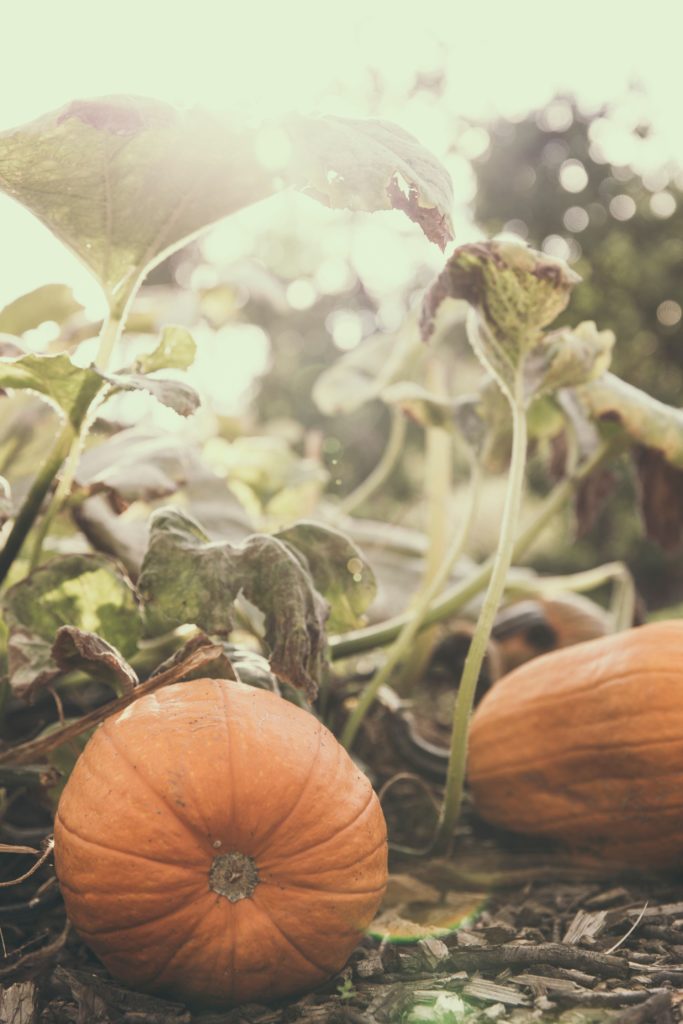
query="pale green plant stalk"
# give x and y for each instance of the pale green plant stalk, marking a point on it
(110, 334)
(405, 639)
(455, 777)
(65, 456)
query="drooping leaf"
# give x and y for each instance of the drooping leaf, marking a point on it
(369, 165)
(85, 591)
(186, 578)
(175, 394)
(362, 374)
(640, 418)
(76, 649)
(176, 350)
(48, 302)
(339, 571)
(122, 179)
(219, 667)
(514, 293)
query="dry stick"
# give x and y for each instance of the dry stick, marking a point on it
(32, 870)
(24, 752)
(556, 954)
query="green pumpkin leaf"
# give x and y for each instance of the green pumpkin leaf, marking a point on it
(369, 165)
(123, 179)
(87, 592)
(69, 388)
(187, 579)
(338, 569)
(176, 351)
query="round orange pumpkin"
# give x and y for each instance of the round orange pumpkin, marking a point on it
(585, 745)
(216, 844)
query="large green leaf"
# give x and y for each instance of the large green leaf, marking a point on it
(186, 578)
(124, 180)
(84, 591)
(339, 571)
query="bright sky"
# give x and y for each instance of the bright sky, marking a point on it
(501, 57)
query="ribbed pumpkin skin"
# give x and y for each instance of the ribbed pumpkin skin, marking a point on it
(585, 745)
(203, 769)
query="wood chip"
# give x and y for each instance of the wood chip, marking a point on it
(585, 925)
(490, 992)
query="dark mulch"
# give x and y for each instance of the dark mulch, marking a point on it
(550, 948)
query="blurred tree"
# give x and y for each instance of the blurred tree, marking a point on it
(593, 189)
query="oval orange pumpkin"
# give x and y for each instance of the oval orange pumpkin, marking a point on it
(217, 844)
(585, 745)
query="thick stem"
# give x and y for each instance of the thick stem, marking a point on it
(455, 778)
(30, 509)
(380, 473)
(404, 641)
(458, 596)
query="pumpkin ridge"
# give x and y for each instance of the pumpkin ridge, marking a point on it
(320, 845)
(128, 927)
(557, 754)
(174, 811)
(222, 692)
(113, 849)
(325, 971)
(153, 981)
(269, 836)
(232, 944)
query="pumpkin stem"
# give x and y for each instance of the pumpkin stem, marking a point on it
(233, 875)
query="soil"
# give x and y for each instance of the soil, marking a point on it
(499, 932)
